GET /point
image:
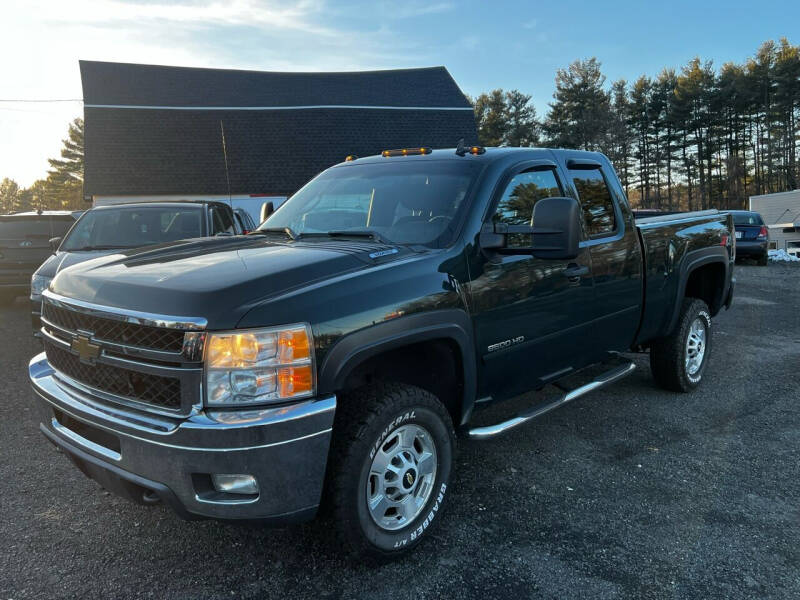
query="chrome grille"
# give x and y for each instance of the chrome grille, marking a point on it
(164, 392)
(124, 358)
(120, 332)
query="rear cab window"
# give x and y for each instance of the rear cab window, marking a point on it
(596, 201)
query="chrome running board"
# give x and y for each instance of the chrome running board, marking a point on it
(482, 433)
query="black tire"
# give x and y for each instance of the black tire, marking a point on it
(365, 419)
(762, 260)
(668, 354)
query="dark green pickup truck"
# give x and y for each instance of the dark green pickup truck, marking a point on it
(331, 357)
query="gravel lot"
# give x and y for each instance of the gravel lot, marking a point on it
(629, 492)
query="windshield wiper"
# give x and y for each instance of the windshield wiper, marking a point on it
(285, 230)
(83, 248)
(359, 233)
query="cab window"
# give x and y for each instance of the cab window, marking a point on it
(520, 196)
(221, 222)
(596, 201)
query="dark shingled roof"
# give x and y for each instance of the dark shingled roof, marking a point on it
(156, 130)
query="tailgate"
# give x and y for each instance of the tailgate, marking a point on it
(23, 253)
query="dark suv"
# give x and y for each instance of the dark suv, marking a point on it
(25, 244)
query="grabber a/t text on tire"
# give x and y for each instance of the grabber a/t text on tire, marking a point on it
(678, 361)
(389, 469)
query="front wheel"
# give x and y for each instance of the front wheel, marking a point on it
(389, 469)
(678, 361)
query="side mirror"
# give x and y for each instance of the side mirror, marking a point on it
(266, 210)
(556, 231)
(54, 243)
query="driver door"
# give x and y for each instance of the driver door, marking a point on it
(531, 315)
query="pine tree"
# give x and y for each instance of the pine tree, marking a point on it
(522, 128)
(580, 114)
(491, 118)
(665, 93)
(640, 123)
(70, 168)
(619, 146)
(63, 188)
(9, 195)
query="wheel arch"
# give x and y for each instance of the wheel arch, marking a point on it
(704, 274)
(401, 348)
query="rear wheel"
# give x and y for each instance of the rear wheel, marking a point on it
(389, 468)
(678, 361)
(762, 260)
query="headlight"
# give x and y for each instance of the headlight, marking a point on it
(259, 366)
(39, 284)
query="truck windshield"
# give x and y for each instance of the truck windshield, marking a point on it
(130, 227)
(416, 202)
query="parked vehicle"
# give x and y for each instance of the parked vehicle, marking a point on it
(109, 229)
(330, 356)
(752, 235)
(24, 245)
(244, 220)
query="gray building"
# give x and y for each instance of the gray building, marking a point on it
(156, 132)
(781, 213)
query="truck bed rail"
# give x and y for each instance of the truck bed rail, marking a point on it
(676, 217)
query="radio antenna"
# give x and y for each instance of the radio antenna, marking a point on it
(225, 156)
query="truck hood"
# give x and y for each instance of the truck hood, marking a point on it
(219, 279)
(61, 260)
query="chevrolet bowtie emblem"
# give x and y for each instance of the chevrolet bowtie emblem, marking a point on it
(87, 351)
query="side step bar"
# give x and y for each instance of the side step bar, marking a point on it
(482, 433)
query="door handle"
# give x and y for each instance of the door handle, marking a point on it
(575, 272)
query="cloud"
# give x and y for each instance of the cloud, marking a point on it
(267, 15)
(409, 10)
(43, 40)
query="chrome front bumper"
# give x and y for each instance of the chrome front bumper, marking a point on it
(147, 457)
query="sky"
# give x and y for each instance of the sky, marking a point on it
(484, 44)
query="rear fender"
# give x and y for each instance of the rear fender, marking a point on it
(693, 261)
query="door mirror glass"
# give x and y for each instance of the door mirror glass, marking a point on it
(555, 232)
(266, 210)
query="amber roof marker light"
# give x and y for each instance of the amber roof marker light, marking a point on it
(350, 158)
(406, 152)
(462, 150)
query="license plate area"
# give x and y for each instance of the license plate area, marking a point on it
(738, 235)
(94, 435)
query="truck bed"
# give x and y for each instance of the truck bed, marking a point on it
(672, 245)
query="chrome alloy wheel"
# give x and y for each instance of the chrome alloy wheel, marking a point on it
(695, 346)
(401, 477)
